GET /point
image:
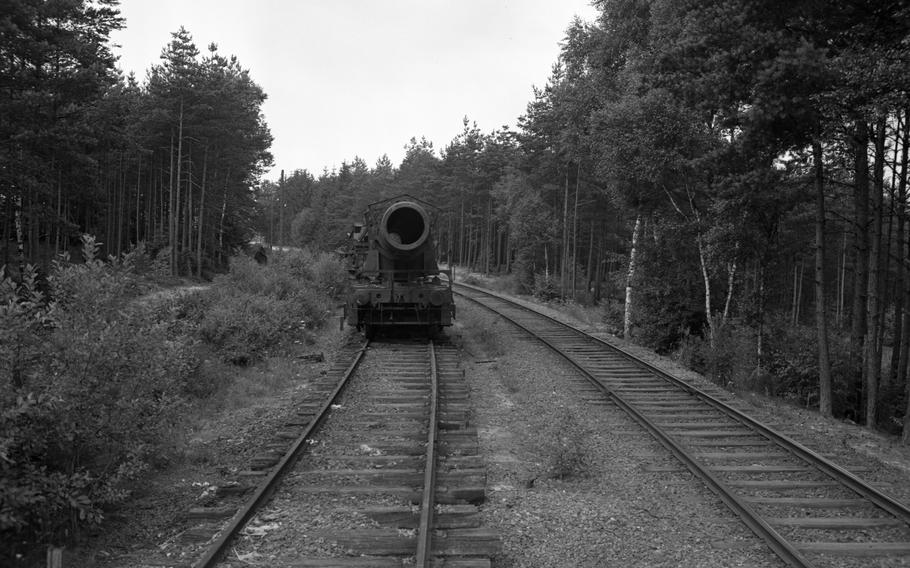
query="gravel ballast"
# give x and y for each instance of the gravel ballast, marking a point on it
(613, 512)
(688, 533)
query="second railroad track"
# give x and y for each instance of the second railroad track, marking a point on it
(809, 511)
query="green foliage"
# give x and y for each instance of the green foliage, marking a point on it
(26, 318)
(95, 382)
(791, 369)
(732, 361)
(545, 288)
(564, 447)
(243, 326)
(94, 395)
(256, 309)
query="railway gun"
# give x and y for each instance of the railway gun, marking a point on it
(396, 281)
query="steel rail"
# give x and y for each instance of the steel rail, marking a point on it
(265, 489)
(428, 504)
(823, 464)
(781, 546)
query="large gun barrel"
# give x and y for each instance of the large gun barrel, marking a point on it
(404, 228)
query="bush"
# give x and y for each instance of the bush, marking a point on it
(486, 331)
(242, 326)
(506, 284)
(256, 309)
(612, 313)
(523, 271)
(94, 385)
(94, 392)
(545, 288)
(564, 447)
(792, 366)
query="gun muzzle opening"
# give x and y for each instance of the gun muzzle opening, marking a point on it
(405, 226)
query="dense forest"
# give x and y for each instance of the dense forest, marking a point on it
(168, 162)
(726, 180)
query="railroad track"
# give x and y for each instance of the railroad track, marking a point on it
(810, 511)
(390, 473)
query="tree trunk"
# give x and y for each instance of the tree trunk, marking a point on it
(627, 315)
(731, 279)
(546, 262)
(280, 202)
(564, 264)
(20, 239)
(170, 210)
(187, 240)
(860, 141)
(841, 284)
(221, 224)
(138, 196)
(28, 222)
(575, 230)
(712, 332)
(60, 223)
(589, 271)
(904, 290)
(899, 320)
(205, 164)
(461, 236)
(821, 325)
(760, 336)
(176, 213)
(872, 350)
(118, 200)
(9, 221)
(599, 268)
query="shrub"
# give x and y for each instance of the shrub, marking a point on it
(242, 326)
(507, 284)
(564, 447)
(792, 365)
(93, 394)
(545, 288)
(25, 319)
(612, 313)
(329, 275)
(523, 271)
(255, 309)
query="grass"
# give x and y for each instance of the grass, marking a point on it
(564, 446)
(486, 330)
(246, 394)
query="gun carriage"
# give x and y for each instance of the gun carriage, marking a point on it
(396, 281)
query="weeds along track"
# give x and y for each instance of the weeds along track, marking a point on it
(810, 511)
(385, 472)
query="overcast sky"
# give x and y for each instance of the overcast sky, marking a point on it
(348, 78)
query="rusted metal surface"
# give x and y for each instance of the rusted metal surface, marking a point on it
(428, 502)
